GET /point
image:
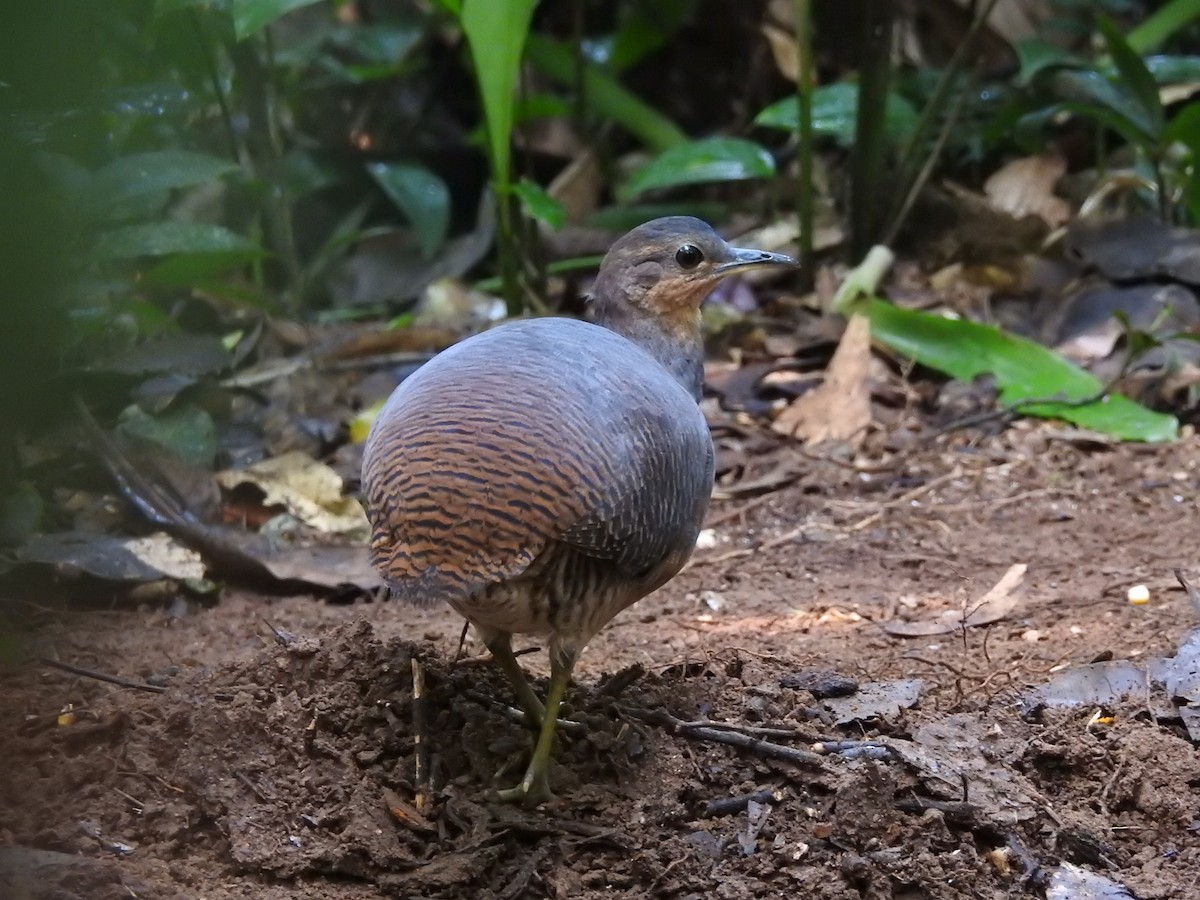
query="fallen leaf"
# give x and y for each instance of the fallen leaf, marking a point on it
(310, 491)
(875, 700)
(1025, 187)
(993, 606)
(1071, 882)
(839, 409)
(149, 558)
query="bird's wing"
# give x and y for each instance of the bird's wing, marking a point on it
(655, 497)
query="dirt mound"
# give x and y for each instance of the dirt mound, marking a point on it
(295, 766)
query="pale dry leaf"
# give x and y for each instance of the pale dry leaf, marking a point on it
(993, 606)
(1026, 187)
(309, 490)
(579, 186)
(839, 410)
(783, 48)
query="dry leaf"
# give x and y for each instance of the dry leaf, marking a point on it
(839, 409)
(993, 606)
(1026, 187)
(309, 490)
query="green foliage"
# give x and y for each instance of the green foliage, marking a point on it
(421, 195)
(701, 162)
(834, 109)
(496, 31)
(1122, 94)
(1032, 380)
(538, 204)
(252, 16)
(606, 97)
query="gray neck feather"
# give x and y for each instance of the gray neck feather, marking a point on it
(683, 359)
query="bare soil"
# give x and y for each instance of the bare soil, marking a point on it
(280, 767)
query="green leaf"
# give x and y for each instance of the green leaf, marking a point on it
(1185, 128)
(1093, 88)
(644, 28)
(1173, 69)
(606, 97)
(1134, 76)
(423, 198)
(540, 205)
(252, 16)
(496, 31)
(194, 269)
(1024, 371)
(163, 238)
(702, 161)
(187, 431)
(1104, 115)
(163, 170)
(835, 107)
(1166, 21)
(1035, 56)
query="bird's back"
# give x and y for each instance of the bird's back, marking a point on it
(536, 434)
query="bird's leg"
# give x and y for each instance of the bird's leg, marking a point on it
(499, 643)
(535, 786)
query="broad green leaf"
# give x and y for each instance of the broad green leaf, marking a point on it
(496, 31)
(1185, 128)
(151, 173)
(1103, 115)
(421, 195)
(540, 205)
(605, 96)
(1173, 69)
(1166, 21)
(193, 269)
(703, 161)
(252, 16)
(163, 238)
(1024, 371)
(1093, 88)
(1035, 56)
(1134, 76)
(644, 28)
(187, 431)
(835, 107)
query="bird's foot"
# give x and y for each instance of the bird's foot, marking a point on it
(533, 791)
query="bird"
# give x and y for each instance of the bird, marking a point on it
(543, 475)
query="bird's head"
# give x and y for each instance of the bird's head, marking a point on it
(665, 268)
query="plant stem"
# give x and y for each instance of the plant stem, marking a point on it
(805, 189)
(263, 145)
(866, 159)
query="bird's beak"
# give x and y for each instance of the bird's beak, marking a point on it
(740, 258)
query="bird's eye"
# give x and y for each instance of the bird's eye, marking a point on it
(689, 256)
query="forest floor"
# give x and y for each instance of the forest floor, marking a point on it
(273, 767)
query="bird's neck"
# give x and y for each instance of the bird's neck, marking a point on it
(677, 343)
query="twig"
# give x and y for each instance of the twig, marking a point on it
(420, 735)
(728, 806)
(102, 676)
(853, 749)
(732, 738)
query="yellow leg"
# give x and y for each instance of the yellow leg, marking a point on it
(535, 786)
(499, 643)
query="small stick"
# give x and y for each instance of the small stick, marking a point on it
(420, 742)
(719, 736)
(853, 749)
(728, 806)
(102, 676)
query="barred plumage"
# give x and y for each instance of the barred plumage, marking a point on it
(546, 474)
